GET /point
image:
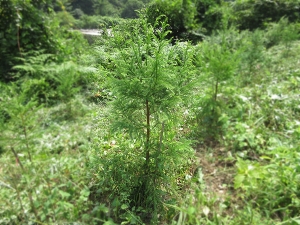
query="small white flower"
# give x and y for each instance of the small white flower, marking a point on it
(206, 210)
(188, 177)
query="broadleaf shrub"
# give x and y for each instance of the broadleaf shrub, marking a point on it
(275, 185)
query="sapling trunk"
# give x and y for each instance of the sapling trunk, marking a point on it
(148, 136)
(15, 187)
(215, 98)
(32, 205)
(216, 90)
(26, 138)
(29, 192)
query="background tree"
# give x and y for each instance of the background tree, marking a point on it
(87, 6)
(130, 8)
(24, 26)
(208, 18)
(179, 14)
(252, 14)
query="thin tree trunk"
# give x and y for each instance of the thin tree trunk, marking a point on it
(32, 205)
(216, 90)
(148, 135)
(18, 161)
(26, 139)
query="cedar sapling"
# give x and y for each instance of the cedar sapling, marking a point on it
(152, 80)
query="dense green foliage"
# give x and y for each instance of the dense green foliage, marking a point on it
(197, 17)
(179, 14)
(254, 14)
(187, 19)
(113, 8)
(95, 14)
(29, 30)
(140, 128)
(23, 27)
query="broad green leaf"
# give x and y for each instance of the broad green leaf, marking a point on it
(124, 206)
(238, 181)
(64, 194)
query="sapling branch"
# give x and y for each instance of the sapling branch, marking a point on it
(17, 158)
(16, 188)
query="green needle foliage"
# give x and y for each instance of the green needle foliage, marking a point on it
(17, 122)
(152, 81)
(218, 62)
(252, 56)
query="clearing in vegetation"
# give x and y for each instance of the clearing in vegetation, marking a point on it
(141, 127)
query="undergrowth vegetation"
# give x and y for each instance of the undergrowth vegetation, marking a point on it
(139, 128)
